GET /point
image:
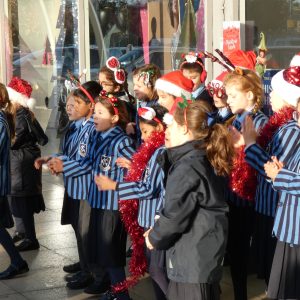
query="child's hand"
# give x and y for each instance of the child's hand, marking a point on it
(248, 131)
(55, 165)
(40, 161)
(123, 162)
(148, 243)
(130, 128)
(273, 168)
(104, 183)
(237, 137)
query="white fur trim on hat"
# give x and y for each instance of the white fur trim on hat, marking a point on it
(171, 88)
(295, 62)
(21, 99)
(290, 93)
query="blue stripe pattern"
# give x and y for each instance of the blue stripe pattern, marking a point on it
(284, 145)
(150, 191)
(4, 156)
(287, 218)
(101, 159)
(78, 147)
(259, 120)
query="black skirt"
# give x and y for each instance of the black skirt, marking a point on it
(70, 211)
(285, 274)
(263, 245)
(6, 219)
(107, 239)
(30, 204)
(193, 291)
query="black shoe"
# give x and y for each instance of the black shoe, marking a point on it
(28, 245)
(13, 271)
(110, 296)
(18, 236)
(97, 288)
(80, 283)
(74, 277)
(72, 268)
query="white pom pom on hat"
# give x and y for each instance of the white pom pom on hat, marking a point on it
(295, 60)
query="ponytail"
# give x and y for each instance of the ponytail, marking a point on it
(220, 150)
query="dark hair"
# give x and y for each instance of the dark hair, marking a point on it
(160, 112)
(192, 66)
(111, 77)
(92, 87)
(217, 140)
(122, 110)
(8, 109)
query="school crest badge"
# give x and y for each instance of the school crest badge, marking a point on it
(105, 163)
(82, 149)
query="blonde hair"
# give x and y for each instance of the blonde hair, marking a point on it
(247, 80)
(217, 140)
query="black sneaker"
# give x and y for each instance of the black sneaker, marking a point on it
(72, 268)
(80, 283)
(13, 271)
(18, 236)
(27, 245)
(73, 276)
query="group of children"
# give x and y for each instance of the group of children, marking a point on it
(187, 141)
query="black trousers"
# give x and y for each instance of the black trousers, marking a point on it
(238, 247)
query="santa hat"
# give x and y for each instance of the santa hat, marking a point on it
(286, 84)
(295, 60)
(19, 91)
(174, 83)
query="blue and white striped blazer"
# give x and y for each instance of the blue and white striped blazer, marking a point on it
(259, 120)
(4, 156)
(150, 191)
(284, 145)
(77, 148)
(101, 159)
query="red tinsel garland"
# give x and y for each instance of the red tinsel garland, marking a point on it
(129, 212)
(243, 178)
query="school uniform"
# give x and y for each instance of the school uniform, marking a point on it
(201, 93)
(241, 221)
(225, 116)
(193, 225)
(284, 145)
(150, 193)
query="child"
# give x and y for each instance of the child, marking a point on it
(107, 236)
(78, 187)
(17, 265)
(244, 97)
(278, 209)
(149, 190)
(193, 226)
(193, 68)
(171, 86)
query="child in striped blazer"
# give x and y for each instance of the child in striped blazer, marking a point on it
(284, 143)
(78, 187)
(244, 97)
(149, 190)
(107, 236)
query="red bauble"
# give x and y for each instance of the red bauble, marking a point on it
(112, 63)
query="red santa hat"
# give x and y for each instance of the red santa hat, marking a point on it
(286, 84)
(295, 60)
(174, 83)
(19, 91)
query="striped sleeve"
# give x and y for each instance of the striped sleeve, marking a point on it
(148, 189)
(287, 181)
(283, 147)
(126, 148)
(3, 136)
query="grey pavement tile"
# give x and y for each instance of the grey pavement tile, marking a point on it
(13, 297)
(70, 253)
(47, 216)
(58, 240)
(52, 227)
(5, 290)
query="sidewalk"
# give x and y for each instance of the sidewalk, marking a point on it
(58, 247)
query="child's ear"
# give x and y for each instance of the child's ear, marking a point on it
(115, 119)
(250, 95)
(117, 89)
(159, 127)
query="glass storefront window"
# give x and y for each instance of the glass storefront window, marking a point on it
(279, 20)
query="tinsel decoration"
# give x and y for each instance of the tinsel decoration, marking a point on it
(243, 178)
(129, 212)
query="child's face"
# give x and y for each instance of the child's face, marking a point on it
(82, 108)
(194, 76)
(103, 120)
(238, 100)
(166, 100)
(174, 135)
(147, 130)
(106, 84)
(141, 91)
(220, 102)
(276, 101)
(70, 108)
